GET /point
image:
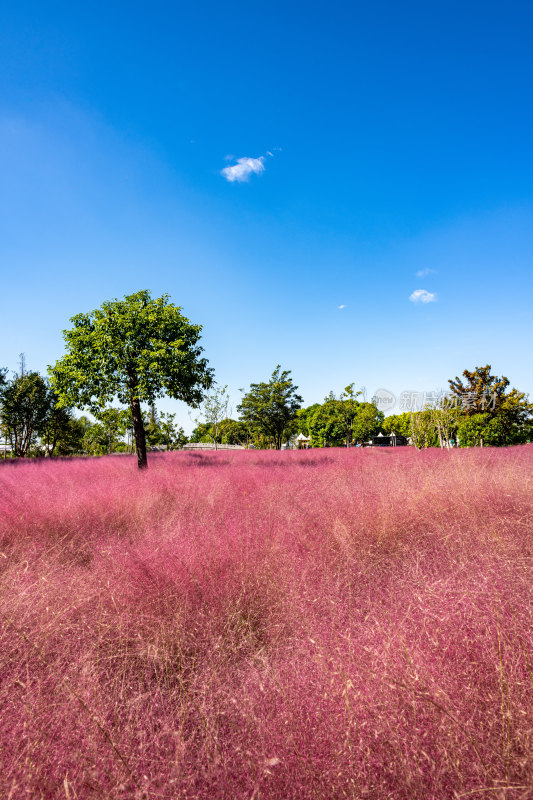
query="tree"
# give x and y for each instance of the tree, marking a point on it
(59, 432)
(400, 424)
(502, 417)
(172, 435)
(350, 408)
(481, 393)
(162, 430)
(134, 349)
(472, 430)
(423, 430)
(303, 419)
(341, 421)
(327, 423)
(25, 405)
(202, 433)
(234, 431)
(366, 422)
(213, 409)
(114, 424)
(270, 408)
(445, 419)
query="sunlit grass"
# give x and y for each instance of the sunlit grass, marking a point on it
(323, 624)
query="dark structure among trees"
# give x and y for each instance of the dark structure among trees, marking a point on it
(389, 440)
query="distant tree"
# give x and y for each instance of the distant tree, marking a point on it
(134, 349)
(59, 432)
(161, 430)
(172, 435)
(327, 424)
(480, 393)
(270, 408)
(202, 433)
(502, 417)
(303, 419)
(71, 439)
(24, 407)
(423, 429)
(213, 409)
(366, 422)
(400, 424)
(114, 424)
(472, 430)
(445, 418)
(341, 421)
(350, 409)
(234, 431)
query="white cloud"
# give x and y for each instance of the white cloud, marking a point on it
(343, 306)
(426, 271)
(242, 170)
(422, 296)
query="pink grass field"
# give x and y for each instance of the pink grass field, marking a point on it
(246, 625)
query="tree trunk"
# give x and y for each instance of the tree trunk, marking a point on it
(138, 428)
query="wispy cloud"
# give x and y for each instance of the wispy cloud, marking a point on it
(343, 306)
(241, 171)
(422, 296)
(426, 271)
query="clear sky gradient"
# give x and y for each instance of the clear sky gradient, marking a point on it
(381, 140)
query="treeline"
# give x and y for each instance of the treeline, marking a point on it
(135, 350)
(33, 423)
(478, 410)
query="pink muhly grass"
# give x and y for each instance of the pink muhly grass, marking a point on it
(323, 624)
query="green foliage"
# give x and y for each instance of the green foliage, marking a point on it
(342, 421)
(481, 393)
(367, 422)
(202, 433)
(270, 408)
(350, 408)
(213, 409)
(110, 429)
(26, 402)
(472, 430)
(135, 349)
(162, 431)
(399, 423)
(327, 425)
(423, 430)
(500, 417)
(234, 431)
(61, 433)
(303, 419)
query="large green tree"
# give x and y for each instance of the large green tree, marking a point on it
(134, 350)
(366, 422)
(502, 416)
(270, 408)
(327, 424)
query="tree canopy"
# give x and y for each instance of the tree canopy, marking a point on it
(26, 404)
(135, 350)
(270, 408)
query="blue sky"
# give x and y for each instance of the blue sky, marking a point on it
(393, 139)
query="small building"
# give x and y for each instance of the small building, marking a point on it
(303, 442)
(392, 440)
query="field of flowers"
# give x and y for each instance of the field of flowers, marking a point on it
(246, 625)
